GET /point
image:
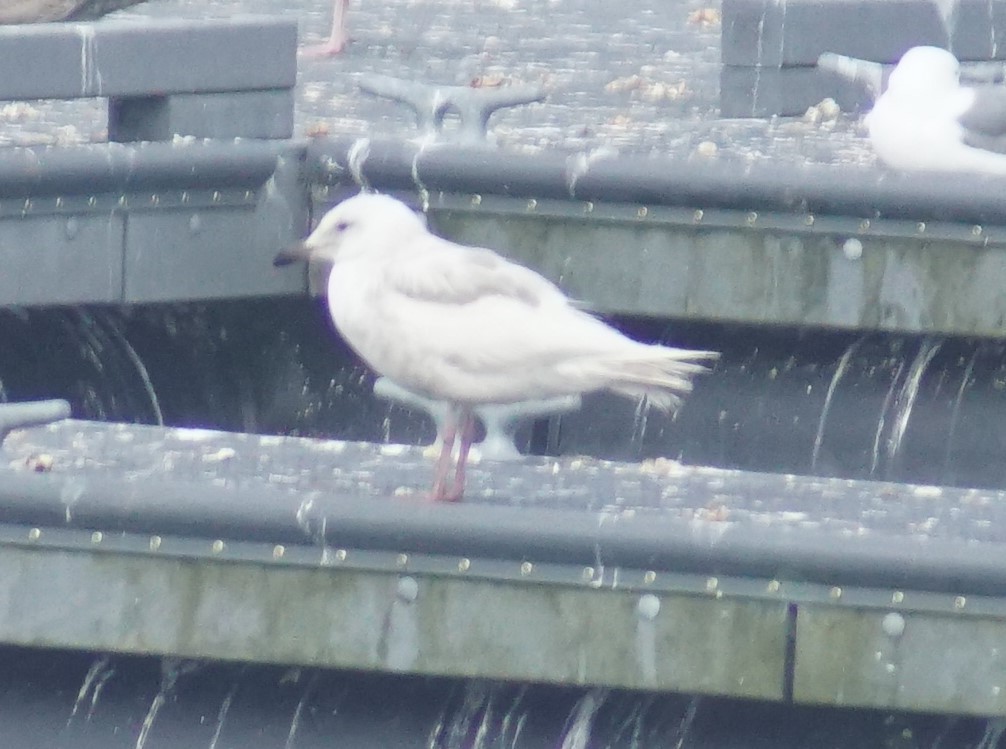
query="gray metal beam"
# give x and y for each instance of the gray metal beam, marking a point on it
(157, 222)
(259, 602)
(248, 114)
(869, 657)
(213, 250)
(61, 259)
(747, 266)
(127, 58)
(163, 79)
(574, 512)
(45, 180)
(624, 578)
(329, 617)
(777, 34)
(802, 193)
(767, 92)
(711, 241)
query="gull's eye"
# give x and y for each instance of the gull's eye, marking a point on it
(342, 226)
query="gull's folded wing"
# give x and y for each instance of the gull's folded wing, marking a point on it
(437, 270)
(984, 122)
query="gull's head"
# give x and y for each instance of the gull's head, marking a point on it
(360, 225)
(925, 71)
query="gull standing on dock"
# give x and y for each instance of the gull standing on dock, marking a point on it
(926, 120)
(463, 325)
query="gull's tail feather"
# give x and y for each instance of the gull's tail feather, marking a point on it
(661, 373)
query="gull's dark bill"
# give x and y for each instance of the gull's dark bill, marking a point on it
(295, 253)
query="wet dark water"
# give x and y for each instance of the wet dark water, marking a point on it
(83, 700)
(881, 406)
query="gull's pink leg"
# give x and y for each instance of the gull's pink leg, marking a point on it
(467, 437)
(337, 39)
(439, 491)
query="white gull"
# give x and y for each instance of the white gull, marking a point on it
(463, 325)
(926, 120)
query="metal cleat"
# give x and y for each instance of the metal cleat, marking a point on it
(36, 413)
(501, 422)
(870, 75)
(431, 103)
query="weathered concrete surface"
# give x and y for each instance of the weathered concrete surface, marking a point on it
(717, 497)
(642, 78)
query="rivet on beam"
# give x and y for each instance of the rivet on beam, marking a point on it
(893, 624)
(407, 589)
(648, 607)
(852, 248)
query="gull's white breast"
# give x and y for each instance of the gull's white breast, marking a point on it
(494, 349)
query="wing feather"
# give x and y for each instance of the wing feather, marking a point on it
(443, 272)
(984, 121)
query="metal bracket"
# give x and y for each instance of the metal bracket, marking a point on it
(868, 74)
(501, 422)
(182, 88)
(431, 103)
(873, 75)
(36, 413)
